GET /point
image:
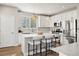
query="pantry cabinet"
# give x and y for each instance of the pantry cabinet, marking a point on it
(8, 26)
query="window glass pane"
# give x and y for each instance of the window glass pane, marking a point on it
(25, 22)
(33, 22)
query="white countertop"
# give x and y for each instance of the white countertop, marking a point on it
(34, 35)
(68, 50)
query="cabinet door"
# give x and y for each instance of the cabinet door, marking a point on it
(48, 22)
(24, 22)
(33, 21)
(8, 32)
(42, 21)
(45, 21)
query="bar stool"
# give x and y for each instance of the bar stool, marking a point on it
(52, 40)
(57, 38)
(47, 40)
(34, 43)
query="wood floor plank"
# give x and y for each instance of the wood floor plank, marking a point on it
(8, 51)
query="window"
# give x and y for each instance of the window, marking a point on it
(28, 22)
(25, 22)
(33, 21)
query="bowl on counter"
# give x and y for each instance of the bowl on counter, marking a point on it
(40, 33)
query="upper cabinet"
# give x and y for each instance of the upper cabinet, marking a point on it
(33, 20)
(28, 22)
(25, 22)
(44, 21)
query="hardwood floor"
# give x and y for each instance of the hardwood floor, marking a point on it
(16, 51)
(11, 51)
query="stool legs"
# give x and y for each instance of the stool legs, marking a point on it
(46, 47)
(59, 41)
(33, 47)
(28, 49)
(55, 42)
(52, 42)
(36, 49)
(40, 47)
(49, 46)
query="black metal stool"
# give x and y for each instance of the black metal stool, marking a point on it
(47, 41)
(57, 39)
(36, 41)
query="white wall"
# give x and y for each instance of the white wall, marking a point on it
(7, 10)
(69, 15)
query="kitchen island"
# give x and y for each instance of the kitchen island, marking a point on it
(25, 38)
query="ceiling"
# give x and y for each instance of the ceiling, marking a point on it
(43, 8)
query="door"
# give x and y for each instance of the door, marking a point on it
(8, 32)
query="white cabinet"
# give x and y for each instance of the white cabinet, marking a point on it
(24, 22)
(8, 27)
(40, 21)
(7, 30)
(28, 22)
(44, 21)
